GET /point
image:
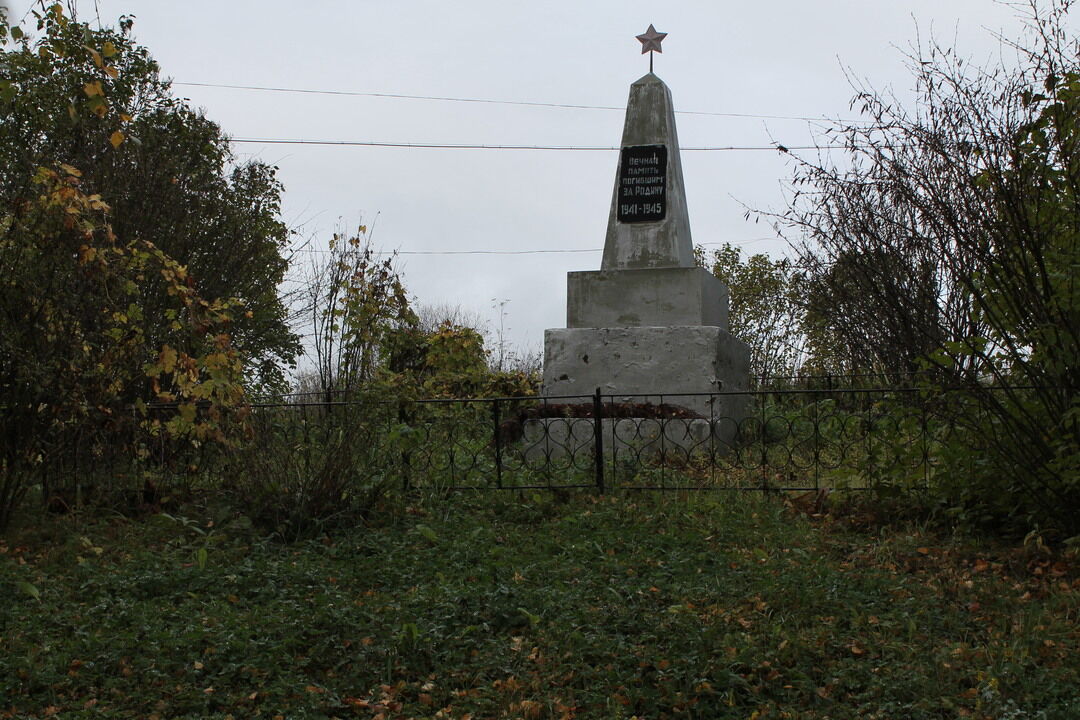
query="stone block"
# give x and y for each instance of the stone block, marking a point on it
(645, 298)
(647, 361)
(570, 442)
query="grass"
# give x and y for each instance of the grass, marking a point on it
(535, 606)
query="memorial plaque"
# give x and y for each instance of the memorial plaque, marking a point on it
(643, 184)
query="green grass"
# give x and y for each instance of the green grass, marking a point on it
(726, 606)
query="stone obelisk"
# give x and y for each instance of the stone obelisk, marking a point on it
(650, 321)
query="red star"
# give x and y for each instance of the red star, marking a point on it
(651, 40)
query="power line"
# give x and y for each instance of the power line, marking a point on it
(469, 146)
(463, 252)
(515, 252)
(488, 101)
(479, 252)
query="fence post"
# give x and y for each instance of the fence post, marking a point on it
(598, 440)
(872, 473)
(925, 432)
(764, 447)
(495, 421)
(406, 456)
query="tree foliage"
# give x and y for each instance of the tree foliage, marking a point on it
(73, 348)
(355, 303)
(367, 337)
(766, 309)
(94, 99)
(93, 324)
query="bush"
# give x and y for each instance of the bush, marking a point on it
(309, 468)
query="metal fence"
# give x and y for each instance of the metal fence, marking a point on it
(791, 439)
(804, 439)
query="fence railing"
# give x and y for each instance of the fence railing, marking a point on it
(787, 439)
(791, 439)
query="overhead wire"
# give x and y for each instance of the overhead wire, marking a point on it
(517, 252)
(490, 101)
(527, 103)
(470, 146)
(776, 147)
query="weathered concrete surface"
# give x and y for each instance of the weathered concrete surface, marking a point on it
(649, 361)
(650, 120)
(650, 321)
(643, 298)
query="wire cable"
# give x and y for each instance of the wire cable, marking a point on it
(517, 252)
(526, 103)
(470, 146)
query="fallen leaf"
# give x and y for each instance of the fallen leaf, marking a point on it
(27, 589)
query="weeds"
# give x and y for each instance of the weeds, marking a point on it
(528, 605)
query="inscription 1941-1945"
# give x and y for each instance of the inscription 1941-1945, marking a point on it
(642, 195)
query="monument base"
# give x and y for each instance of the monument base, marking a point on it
(648, 362)
(654, 297)
(673, 440)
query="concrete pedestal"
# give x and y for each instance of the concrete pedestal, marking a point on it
(657, 297)
(646, 361)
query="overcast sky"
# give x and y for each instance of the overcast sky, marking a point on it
(778, 58)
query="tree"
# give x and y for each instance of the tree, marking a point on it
(949, 242)
(367, 338)
(859, 311)
(358, 309)
(95, 100)
(81, 337)
(509, 371)
(766, 309)
(72, 344)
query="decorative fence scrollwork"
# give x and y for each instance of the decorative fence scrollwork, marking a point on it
(805, 439)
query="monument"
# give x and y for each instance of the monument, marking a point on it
(649, 322)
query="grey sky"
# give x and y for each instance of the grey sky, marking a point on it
(785, 57)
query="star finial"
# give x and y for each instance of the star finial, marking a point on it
(651, 40)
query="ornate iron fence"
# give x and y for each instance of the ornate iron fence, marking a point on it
(790, 439)
(784, 439)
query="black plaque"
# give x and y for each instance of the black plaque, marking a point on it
(642, 195)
